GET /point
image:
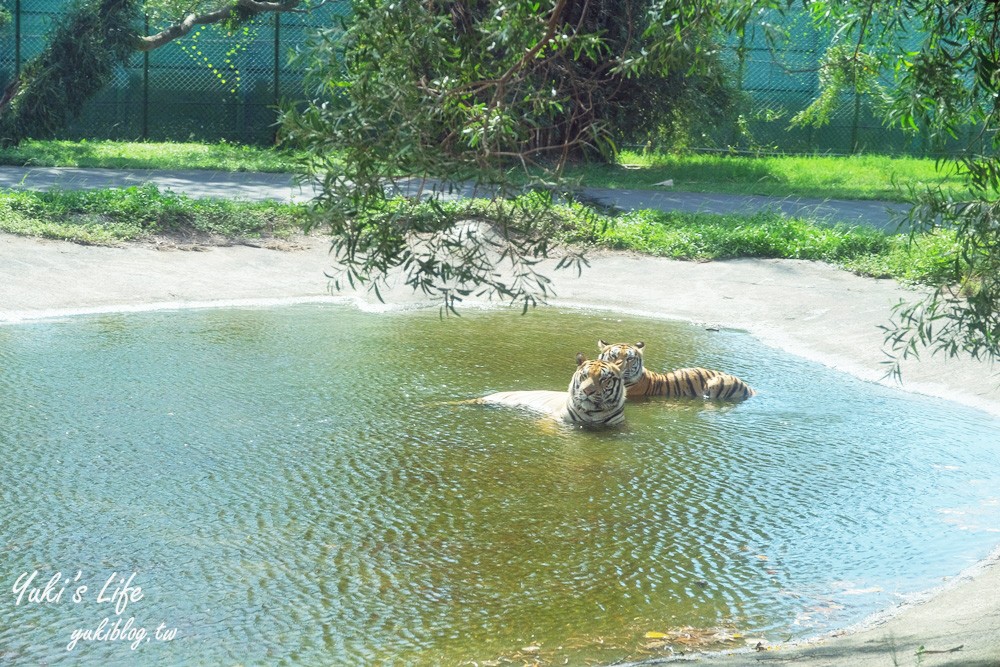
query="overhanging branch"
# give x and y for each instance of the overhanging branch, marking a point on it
(244, 7)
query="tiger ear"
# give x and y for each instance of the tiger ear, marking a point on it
(640, 345)
(580, 358)
(601, 345)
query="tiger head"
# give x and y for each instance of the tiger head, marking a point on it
(628, 357)
(597, 387)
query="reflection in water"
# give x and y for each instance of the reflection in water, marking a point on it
(297, 483)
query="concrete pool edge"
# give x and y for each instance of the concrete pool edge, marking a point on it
(956, 623)
(805, 308)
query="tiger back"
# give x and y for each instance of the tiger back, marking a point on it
(595, 397)
(694, 382)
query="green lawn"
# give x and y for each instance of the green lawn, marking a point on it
(858, 177)
(220, 156)
(922, 258)
(111, 216)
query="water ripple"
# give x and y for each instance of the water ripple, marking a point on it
(291, 485)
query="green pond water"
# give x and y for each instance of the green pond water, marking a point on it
(292, 485)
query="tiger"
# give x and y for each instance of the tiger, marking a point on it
(681, 383)
(596, 396)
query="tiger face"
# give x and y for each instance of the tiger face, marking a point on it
(628, 357)
(597, 386)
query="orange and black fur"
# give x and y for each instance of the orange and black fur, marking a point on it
(681, 383)
(595, 397)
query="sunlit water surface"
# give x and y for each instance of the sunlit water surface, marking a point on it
(292, 484)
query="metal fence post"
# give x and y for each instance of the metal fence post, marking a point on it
(277, 57)
(145, 84)
(854, 124)
(277, 67)
(17, 38)
(741, 73)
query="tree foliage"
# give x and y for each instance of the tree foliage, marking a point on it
(943, 61)
(90, 39)
(83, 49)
(424, 98)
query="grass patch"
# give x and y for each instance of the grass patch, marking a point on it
(113, 216)
(823, 177)
(872, 177)
(928, 258)
(924, 258)
(222, 156)
(704, 236)
(136, 213)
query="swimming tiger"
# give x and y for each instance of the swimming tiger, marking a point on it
(596, 396)
(683, 382)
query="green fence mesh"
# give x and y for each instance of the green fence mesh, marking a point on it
(780, 79)
(210, 86)
(207, 86)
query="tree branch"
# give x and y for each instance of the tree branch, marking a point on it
(178, 30)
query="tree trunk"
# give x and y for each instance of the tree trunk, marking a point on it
(91, 39)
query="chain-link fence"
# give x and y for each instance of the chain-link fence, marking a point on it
(213, 84)
(780, 76)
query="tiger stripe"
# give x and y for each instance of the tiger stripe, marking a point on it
(595, 397)
(693, 382)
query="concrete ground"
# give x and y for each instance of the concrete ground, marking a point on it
(246, 186)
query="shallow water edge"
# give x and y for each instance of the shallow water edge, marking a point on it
(267, 303)
(768, 336)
